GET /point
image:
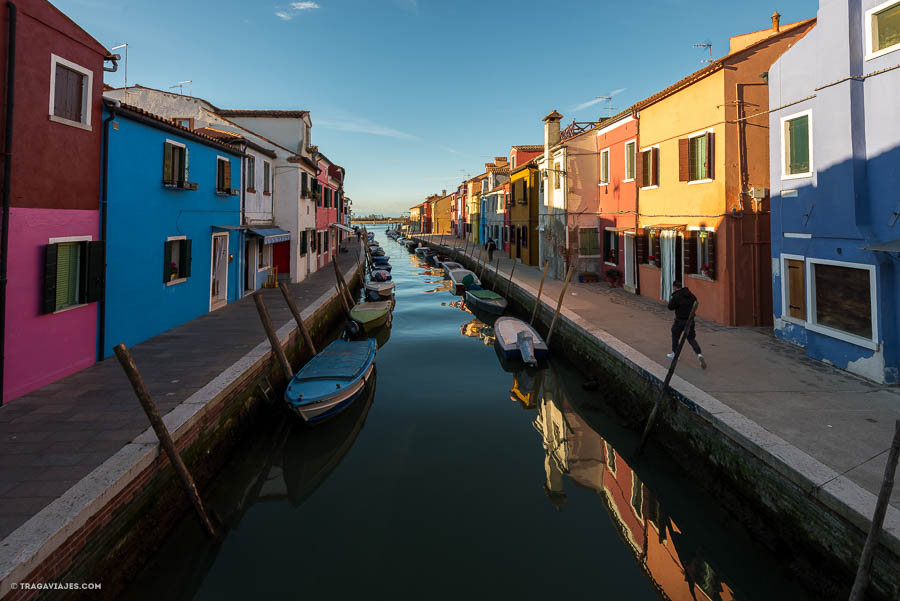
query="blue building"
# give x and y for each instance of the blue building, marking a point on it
(171, 219)
(834, 156)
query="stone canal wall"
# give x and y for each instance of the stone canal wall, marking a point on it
(106, 526)
(797, 505)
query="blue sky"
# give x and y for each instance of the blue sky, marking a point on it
(410, 96)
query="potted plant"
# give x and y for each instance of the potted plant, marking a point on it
(173, 271)
(705, 271)
(651, 261)
(613, 276)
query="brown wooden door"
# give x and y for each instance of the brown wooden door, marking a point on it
(796, 282)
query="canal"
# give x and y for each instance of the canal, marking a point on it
(457, 477)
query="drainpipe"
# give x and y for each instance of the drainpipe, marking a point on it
(7, 173)
(101, 325)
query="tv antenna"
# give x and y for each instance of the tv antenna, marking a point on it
(125, 46)
(180, 85)
(609, 107)
(708, 46)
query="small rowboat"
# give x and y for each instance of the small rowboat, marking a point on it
(379, 259)
(380, 290)
(450, 266)
(371, 315)
(486, 300)
(382, 267)
(458, 275)
(378, 252)
(331, 380)
(518, 340)
(423, 251)
(411, 245)
(381, 275)
(438, 258)
(371, 235)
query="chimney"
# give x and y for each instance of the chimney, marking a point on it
(551, 131)
(443, 193)
(776, 21)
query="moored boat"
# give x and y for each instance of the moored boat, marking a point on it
(518, 340)
(381, 275)
(371, 315)
(331, 380)
(486, 300)
(458, 275)
(380, 290)
(450, 266)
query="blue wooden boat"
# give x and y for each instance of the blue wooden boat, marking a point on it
(332, 380)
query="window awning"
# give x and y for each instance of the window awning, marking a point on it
(666, 226)
(271, 235)
(889, 247)
(341, 226)
(619, 229)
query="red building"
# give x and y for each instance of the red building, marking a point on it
(329, 207)
(52, 252)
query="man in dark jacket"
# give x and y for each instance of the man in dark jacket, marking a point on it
(491, 247)
(681, 302)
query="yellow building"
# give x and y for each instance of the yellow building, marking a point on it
(415, 219)
(473, 203)
(524, 203)
(442, 219)
(702, 169)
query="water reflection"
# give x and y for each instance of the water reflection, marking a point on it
(572, 449)
(478, 329)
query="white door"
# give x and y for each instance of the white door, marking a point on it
(667, 239)
(629, 260)
(219, 272)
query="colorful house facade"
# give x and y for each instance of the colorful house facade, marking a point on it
(702, 158)
(328, 207)
(835, 148)
(524, 203)
(172, 226)
(52, 255)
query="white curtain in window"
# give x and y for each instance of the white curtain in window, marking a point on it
(667, 240)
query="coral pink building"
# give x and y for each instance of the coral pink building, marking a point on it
(53, 257)
(329, 207)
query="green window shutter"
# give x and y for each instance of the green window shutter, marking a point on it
(710, 157)
(167, 260)
(798, 141)
(168, 158)
(95, 273)
(185, 259)
(50, 261)
(67, 273)
(185, 178)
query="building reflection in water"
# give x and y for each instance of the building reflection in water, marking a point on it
(572, 448)
(478, 329)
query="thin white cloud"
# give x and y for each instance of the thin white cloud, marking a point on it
(294, 9)
(364, 126)
(451, 150)
(584, 105)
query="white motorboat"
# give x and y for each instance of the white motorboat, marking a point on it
(458, 275)
(518, 340)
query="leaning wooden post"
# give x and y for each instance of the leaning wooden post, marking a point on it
(292, 305)
(342, 287)
(559, 304)
(662, 391)
(273, 337)
(509, 283)
(858, 592)
(496, 275)
(162, 433)
(537, 302)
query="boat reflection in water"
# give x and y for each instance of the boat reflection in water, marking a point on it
(287, 467)
(527, 381)
(573, 449)
(478, 329)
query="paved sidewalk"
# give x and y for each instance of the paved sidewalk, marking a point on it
(55, 436)
(843, 421)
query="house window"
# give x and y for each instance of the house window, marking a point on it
(267, 177)
(304, 185)
(70, 93)
(328, 193)
(842, 297)
(793, 279)
(74, 272)
(523, 236)
(588, 242)
(703, 259)
(604, 167)
(318, 193)
(650, 167)
(251, 173)
(796, 144)
(512, 162)
(176, 260)
(175, 164)
(304, 240)
(695, 158)
(611, 246)
(223, 176)
(265, 256)
(184, 122)
(325, 240)
(883, 29)
(629, 161)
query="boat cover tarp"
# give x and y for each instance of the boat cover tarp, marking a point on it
(340, 360)
(485, 294)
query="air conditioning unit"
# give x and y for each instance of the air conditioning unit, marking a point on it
(758, 192)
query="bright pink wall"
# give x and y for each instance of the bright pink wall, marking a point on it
(618, 199)
(43, 348)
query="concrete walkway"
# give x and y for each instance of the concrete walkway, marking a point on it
(52, 438)
(843, 421)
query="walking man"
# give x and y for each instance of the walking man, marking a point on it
(491, 247)
(681, 302)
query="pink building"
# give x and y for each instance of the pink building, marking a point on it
(53, 257)
(329, 207)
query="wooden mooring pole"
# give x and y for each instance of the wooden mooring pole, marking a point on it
(562, 296)
(295, 311)
(537, 302)
(162, 433)
(665, 386)
(509, 283)
(272, 335)
(858, 592)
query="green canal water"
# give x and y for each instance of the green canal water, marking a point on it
(458, 477)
